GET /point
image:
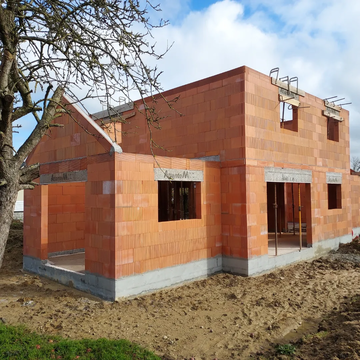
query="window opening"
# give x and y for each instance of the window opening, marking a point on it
(178, 200)
(333, 116)
(332, 129)
(288, 116)
(334, 196)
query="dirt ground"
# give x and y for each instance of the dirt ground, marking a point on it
(314, 305)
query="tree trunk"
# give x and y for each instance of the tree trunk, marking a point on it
(8, 196)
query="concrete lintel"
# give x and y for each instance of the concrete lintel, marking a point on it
(331, 105)
(209, 158)
(64, 177)
(332, 115)
(333, 178)
(161, 174)
(285, 86)
(281, 175)
(289, 100)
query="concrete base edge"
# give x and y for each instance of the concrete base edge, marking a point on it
(356, 232)
(261, 264)
(111, 289)
(98, 286)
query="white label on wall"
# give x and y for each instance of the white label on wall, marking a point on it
(178, 175)
(280, 175)
(333, 178)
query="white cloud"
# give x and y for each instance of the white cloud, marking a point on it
(316, 41)
(212, 41)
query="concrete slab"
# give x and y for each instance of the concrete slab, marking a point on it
(73, 262)
(287, 243)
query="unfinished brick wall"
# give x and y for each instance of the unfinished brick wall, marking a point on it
(233, 211)
(267, 144)
(123, 234)
(209, 120)
(158, 245)
(36, 222)
(54, 215)
(354, 198)
(267, 141)
(66, 216)
(237, 115)
(100, 216)
(70, 142)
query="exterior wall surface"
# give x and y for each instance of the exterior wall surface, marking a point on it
(355, 204)
(95, 197)
(124, 236)
(66, 215)
(236, 115)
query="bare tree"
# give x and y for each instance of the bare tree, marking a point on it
(58, 46)
(355, 163)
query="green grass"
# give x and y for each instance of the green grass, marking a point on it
(18, 343)
(286, 349)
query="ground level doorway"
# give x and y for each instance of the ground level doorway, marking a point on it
(289, 217)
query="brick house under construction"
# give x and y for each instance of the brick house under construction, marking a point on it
(260, 178)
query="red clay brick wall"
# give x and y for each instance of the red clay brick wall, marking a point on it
(144, 243)
(36, 222)
(237, 115)
(123, 235)
(234, 210)
(100, 219)
(69, 141)
(211, 121)
(256, 207)
(64, 149)
(66, 216)
(327, 223)
(269, 145)
(266, 141)
(355, 199)
(234, 115)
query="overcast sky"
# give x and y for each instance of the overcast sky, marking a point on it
(315, 40)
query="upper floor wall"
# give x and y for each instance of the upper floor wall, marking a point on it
(310, 139)
(236, 115)
(209, 119)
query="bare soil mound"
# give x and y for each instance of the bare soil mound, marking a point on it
(224, 316)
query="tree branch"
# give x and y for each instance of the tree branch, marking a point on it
(23, 88)
(29, 173)
(41, 127)
(29, 186)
